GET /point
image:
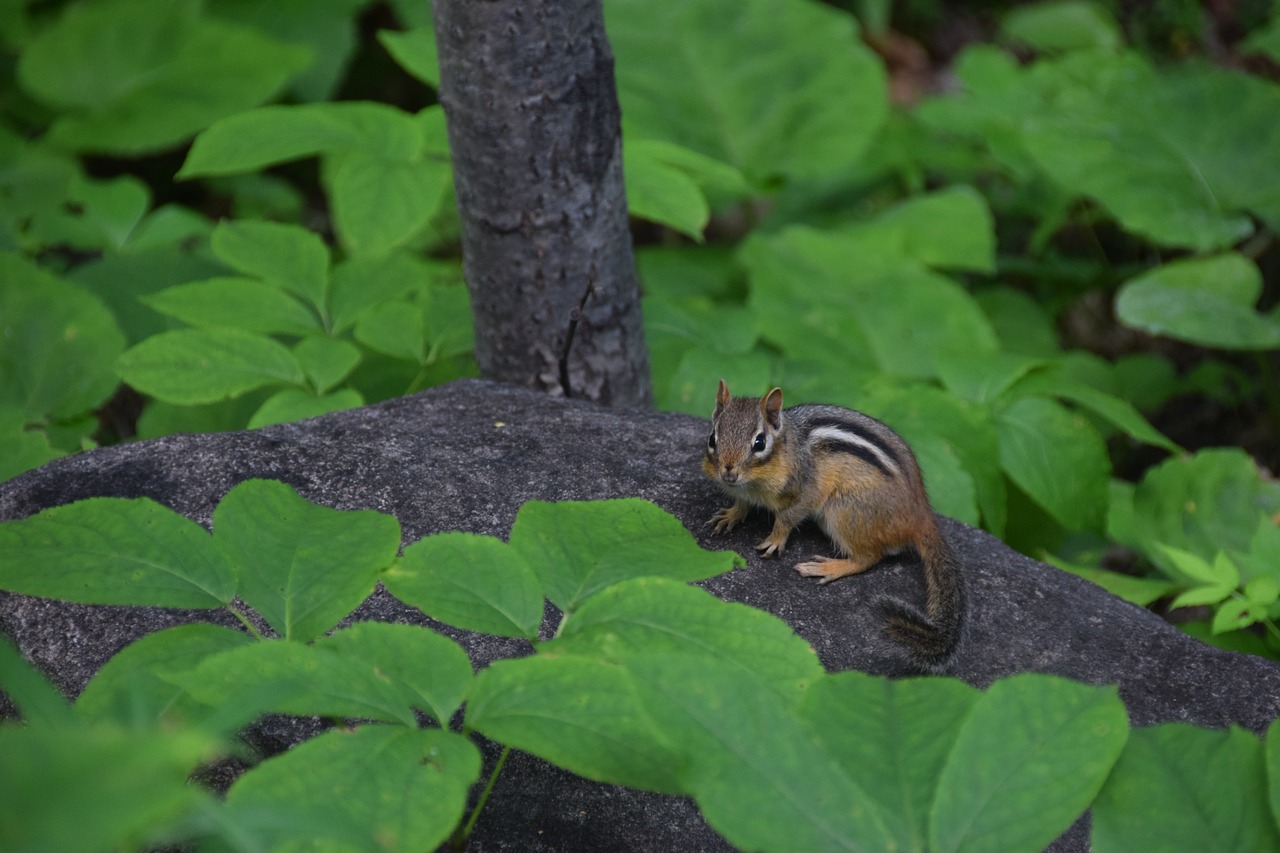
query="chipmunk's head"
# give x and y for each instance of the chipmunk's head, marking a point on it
(743, 433)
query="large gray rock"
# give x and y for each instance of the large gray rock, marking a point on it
(466, 456)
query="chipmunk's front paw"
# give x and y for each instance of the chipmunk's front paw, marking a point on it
(773, 546)
(726, 519)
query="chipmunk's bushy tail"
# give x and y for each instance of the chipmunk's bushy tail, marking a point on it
(932, 636)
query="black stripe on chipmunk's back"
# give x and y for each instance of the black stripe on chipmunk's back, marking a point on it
(845, 435)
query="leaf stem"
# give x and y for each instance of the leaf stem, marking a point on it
(244, 620)
(459, 840)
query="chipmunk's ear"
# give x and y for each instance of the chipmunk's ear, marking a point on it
(771, 408)
(722, 395)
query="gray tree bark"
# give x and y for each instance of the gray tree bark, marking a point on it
(534, 126)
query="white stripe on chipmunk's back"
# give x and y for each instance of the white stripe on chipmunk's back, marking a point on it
(835, 433)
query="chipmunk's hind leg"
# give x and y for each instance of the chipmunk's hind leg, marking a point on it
(828, 569)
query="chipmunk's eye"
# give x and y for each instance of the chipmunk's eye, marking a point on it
(711, 442)
(758, 445)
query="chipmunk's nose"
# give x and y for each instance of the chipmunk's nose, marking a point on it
(729, 475)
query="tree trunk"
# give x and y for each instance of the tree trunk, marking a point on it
(534, 127)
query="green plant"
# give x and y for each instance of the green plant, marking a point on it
(645, 682)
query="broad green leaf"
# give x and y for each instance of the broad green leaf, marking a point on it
(415, 52)
(192, 366)
(1177, 787)
(114, 551)
(1262, 590)
(578, 548)
(581, 714)
(236, 303)
(327, 27)
(361, 282)
(1118, 412)
(294, 404)
(302, 566)
(774, 89)
(131, 689)
(760, 778)
(952, 489)
(858, 299)
(149, 790)
(139, 75)
(37, 701)
(286, 677)
(1271, 756)
(1200, 595)
(393, 328)
(1020, 322)
(379, 202)
(662, 193)
(285, 255)
(57, 345)
(1173, 155)
(92, 215)
(432, 671)
(446, 317)
(1058, 25)
(477, 583)
(1028, 760)
(326, 361)
(1264, 40)
(984, 377)
(1234, 614)
(1207, 301)
(1141, 591)
(663, 616)
(25, 447)
(892, 738)
(1209, 502)
(949, 229)
(377, 787)
(692, 387)
(1221, 572)
(1057, 458)
(263, 137)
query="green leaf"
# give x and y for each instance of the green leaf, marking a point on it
(114, 551)
(1221, 572)
(301, 566)
(58, 344)
(415, 52)
(760, 778)
(379, 202)
(663, 616)
(37, 701)
(578, 548)
(393, 328)
(432, 671)
(255, 139)
(326, 361)
(149, 791)
(580, 714)
(1207, 301)
(294, 404)
(135, 76)
(132, 688)
(477, 583)
(1059, 25)
(361, 282)
(192, 366)
(286, 255)
(951, 228)
(1262, 590)
(25, 447)
(892, 738)
(1057, 458)
(1177, 787)
(1172, 154)
(1198, 595)
(1140, 591)
(1209, 502)
(237, 303)
(393, 787)
(662, 193)
(1028, 760)
(772, 89)
(1118, 412)
(1234, 614)
(286, 677)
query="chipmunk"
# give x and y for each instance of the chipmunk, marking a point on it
(862, 484)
